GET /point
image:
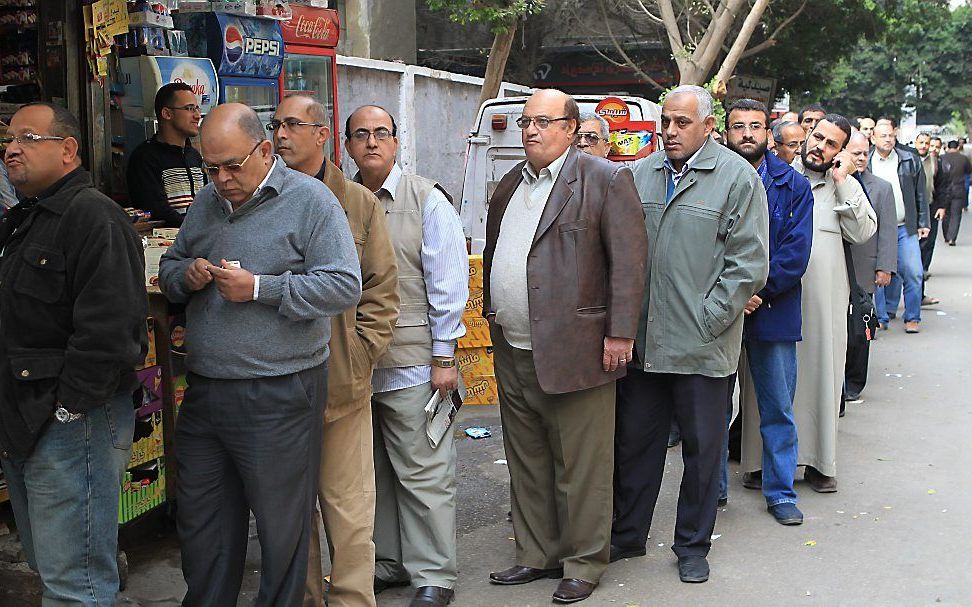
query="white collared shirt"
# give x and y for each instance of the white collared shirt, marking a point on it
(887, 169)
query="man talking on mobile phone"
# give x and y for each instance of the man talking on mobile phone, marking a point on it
(841, 212)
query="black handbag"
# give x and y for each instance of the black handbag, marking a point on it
(862, 319)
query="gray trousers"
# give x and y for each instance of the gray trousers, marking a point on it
(415, 511)
(248, 445)
(560, 449)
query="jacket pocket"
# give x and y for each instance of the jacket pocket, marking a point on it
(42, 276)
(412, 327)
(35, 373)
(572, 226)
(360, 360)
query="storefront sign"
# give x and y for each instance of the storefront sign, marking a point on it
(751, 87)
(312, 26)
(197, 73)
(247, 46)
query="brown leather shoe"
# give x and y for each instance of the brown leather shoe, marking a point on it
(432, 596)
(911, 327)
(524, 575)
(572, 590)
(819, 482)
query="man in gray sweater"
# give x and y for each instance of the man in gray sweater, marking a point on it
(264, 257)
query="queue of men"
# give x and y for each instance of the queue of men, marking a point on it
(323, 314)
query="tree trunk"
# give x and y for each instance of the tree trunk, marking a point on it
(496, 64)
(739, 46)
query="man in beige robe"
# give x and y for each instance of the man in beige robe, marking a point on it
(841, 212)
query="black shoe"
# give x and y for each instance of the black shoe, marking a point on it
(432, 596)
(693, 569)
(786, 514)
(573, 590)
(626, 552)
(524, 575)
(674, 438)
(723, 501)
(854, 399)
(753, 480)
(383, 585)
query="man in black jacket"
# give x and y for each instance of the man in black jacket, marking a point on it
(936, 192)
(165, 172)
(72, 330)
(901, 167)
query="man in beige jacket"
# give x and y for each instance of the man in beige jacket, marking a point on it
(346, 492)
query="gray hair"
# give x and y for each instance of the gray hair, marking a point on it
(249, 123)
(858, 135)
(315, 109)
(778, 130)
(702, 95)
(602, 123)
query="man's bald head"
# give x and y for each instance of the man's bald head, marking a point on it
(234, 118)
(544, 145)
(235, 151)
(859, 147)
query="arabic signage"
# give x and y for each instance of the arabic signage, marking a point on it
(583, 69)
(312, 26)
(751, 87)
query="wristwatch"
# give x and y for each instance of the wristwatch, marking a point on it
(444, 363)
(64, 416)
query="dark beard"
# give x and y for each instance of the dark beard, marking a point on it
(812, 165)
(753, 156)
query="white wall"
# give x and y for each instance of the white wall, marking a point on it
(434, 110)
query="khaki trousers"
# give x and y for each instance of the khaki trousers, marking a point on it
(346, 494)
(415, 517)
(560, 451)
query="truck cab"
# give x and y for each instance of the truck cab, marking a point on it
(494, 147)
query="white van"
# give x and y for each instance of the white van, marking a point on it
(495, 147)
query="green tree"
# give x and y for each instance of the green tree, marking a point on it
(501, 16)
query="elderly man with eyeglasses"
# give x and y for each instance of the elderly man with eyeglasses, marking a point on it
(165, 172)
(72, 330)
(263, 260)
(789, 136)
(564, 268)
(592, 136)
(415, 520)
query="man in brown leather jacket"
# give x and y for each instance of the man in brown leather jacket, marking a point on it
(346, 491)
(564, 270)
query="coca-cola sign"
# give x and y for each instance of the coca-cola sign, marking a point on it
(312, 26)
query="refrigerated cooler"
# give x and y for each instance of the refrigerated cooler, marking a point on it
(142, 77)
(248, 54)
(310, 38)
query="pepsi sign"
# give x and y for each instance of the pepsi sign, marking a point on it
(247, 46)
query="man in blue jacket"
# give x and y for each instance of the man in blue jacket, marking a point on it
(773, 319)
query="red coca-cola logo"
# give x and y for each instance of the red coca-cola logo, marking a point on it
(312, 25)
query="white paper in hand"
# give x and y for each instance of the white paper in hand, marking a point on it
(439, 414)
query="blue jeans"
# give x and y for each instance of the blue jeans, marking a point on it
(65, 502)
(773, 367)
(909, 275)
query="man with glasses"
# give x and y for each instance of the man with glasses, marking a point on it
(789, 136)
(415, 521)
(164, 173)
(359, 337)
(772, 326)
(72, 330)
(263, 260)
(564, 268)
(592, 137)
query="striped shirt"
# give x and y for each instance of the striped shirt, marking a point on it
(446, 268)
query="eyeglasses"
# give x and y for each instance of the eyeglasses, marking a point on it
(192, 107)
(290, 123)
(362, 135)
(29, 138)
(793, 145)
(590, 138)
(542, 122)
(232, 167)
(756, 127)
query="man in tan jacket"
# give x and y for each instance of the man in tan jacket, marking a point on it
(359, 337)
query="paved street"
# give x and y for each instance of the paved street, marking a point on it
(896, 533)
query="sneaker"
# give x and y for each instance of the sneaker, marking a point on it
(786, 514)
(911, 327)
(854, 399)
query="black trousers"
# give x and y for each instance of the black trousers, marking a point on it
(855, 369)
(248, 445)
(953, 218)
(928, 244)
(647, 402)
